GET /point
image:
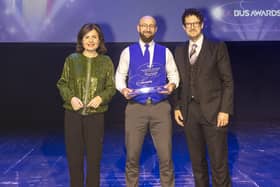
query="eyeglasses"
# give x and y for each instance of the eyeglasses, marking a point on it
(147, 26)
(194, 24)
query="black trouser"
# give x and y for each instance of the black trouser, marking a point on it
(84, 136)
(202, 136)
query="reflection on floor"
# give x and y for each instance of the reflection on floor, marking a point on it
(38, 158)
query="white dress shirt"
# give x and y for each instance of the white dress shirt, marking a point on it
(122, 70)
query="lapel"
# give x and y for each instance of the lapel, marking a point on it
(183, 61)
(186, 61)
(202, 54)
(186, 55)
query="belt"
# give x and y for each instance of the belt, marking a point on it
(148, 101)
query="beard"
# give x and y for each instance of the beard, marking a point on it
(146, 39)
(194, 37)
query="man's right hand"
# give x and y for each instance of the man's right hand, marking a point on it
(127, 93)
(179, 117)
(76, 103)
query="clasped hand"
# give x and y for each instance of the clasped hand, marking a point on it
(77, 104)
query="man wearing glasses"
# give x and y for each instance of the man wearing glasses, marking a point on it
(151, 75)
(204, 101)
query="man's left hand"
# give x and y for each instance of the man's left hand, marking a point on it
(168, 89)
(222, 119)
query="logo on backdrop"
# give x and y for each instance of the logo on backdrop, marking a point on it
(250, 20)
(42, 20)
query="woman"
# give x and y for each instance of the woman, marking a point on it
(86, 86)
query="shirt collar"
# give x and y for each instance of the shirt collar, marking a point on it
(142, 44)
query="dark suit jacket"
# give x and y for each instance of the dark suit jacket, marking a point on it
(214, 82)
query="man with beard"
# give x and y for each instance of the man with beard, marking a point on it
(151, 75)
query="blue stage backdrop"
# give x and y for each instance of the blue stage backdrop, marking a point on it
(60, 20)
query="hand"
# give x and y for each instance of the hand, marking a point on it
(222, 119)
(76, 103)
(168, 89)
(127, 93)
(95, 102)
(179, 117)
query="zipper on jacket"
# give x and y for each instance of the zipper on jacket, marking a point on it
(85, 101)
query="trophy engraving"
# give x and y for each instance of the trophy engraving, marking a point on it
(148, 79)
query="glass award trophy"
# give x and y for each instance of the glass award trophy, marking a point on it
(148, 79)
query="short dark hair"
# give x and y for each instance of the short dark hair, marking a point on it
(192, 12)
(83, 31)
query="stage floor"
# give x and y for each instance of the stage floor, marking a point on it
(32, 158)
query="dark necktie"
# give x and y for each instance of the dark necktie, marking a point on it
(146, 54)
(193, 55)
